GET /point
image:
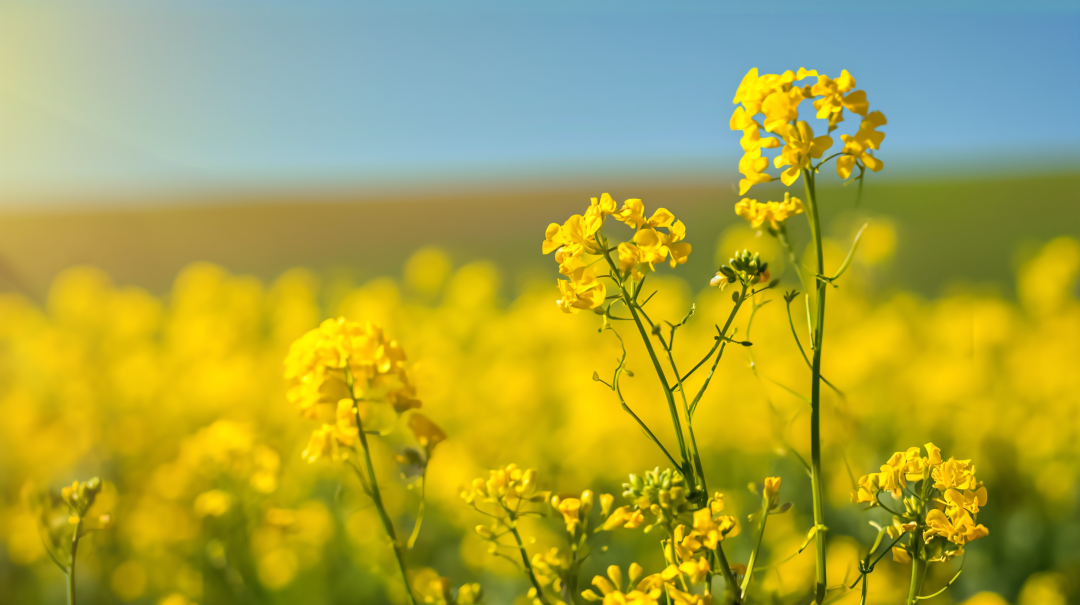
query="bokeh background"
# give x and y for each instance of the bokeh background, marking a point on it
(186, 187)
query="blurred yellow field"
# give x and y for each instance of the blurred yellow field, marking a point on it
(172, 398)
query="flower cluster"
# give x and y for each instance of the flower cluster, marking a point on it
(663, 495)
(944, 502)
(81, 508)
(506, 488)
(510, 493)
(708, 529)
(580, 243)
(773, 213)
(745, 268)
(343, 372)
(434, 589)
(80, 498)
(777, 97)
(638, 590)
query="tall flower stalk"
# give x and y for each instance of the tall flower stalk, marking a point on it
(342, 372)
(817, 339)
(776, 97)
(84, 512)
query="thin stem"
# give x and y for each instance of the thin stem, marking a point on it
(525, 560)
(71, 567)
(723, 341)
(815, 390)
(729, 577)
(918, 569)
(643, 426)
(420, 510)
(376, 494)
(631, 304)
(757, 547)
(689, 422)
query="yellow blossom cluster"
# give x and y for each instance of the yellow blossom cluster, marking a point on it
(949, 485)
(580, 244)
(777, 97)
(434, 589)
(353, 369)
(774, 213)
(505, 487)
(638, 590)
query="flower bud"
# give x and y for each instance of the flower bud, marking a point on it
(586, 501)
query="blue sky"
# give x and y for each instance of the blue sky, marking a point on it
(117, 99)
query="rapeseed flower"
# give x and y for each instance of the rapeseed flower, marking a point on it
(342, 359)
(578, 249)
(774, 213)
(777, 97)
(950, 500)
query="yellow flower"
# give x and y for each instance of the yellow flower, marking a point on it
(550, 567)
(955, 474)
(431, 588)
(800, 147)
(321, 362)
(652, 246)
(833, 101)
(625, 517)
(632, 213)
(679, 597)
(213, 503)
(570, 509)
(772, 212)
(781, 108)
(694, 570)
(708, 532)
(752, 166)
(582, 291)
(646, 592)
(859, 146)
(772, 492)
(629, 257)
(606, 500)
(960, 530)
(324, 443)
(507, 486)
(933, 454)
(778, 98)
(574, 238)
(605, 204)
(427, 433)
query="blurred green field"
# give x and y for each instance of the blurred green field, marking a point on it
(972, 230)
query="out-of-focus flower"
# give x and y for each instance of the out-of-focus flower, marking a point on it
(213, 503)
(340, 356)
(647, 591)
(773, 213)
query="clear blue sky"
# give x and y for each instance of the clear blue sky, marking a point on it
(100, 97)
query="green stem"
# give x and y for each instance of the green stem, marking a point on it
(699, 469)
(918, 568)
(71, 567)
(687, 469)
(525, 560)
(729, 577)
(815, 391)
(754, 553)
(376, 494)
